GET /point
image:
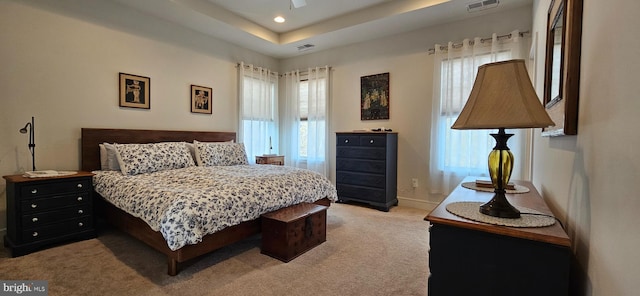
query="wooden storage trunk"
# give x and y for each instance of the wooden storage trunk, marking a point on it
(289, 232)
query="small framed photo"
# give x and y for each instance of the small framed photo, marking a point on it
(201, 99)
(134, 91)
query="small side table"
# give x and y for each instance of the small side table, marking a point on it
(270, 159)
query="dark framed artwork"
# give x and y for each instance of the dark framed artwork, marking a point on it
(374, 97)
(134, 91)
(201, 99)
(562, 66)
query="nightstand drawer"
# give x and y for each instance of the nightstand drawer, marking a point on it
(58, 229)
(49, 188)
(45, 204)
(44, 218)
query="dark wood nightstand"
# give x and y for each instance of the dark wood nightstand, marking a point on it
(45, 211)
(270, 159)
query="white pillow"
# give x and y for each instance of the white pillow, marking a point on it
(108, 157)
(192, 150)
(220, 153)
(103, 157)
(147, 158)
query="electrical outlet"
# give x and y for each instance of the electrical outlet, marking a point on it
(414, 182)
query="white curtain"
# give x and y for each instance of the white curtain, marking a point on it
(459, 153)
(258, 110)
(305, 131)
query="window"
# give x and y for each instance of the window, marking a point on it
(305, 120)
(465, 149)
(258, 111)
(456, 154)
(303, 127)
(318, 118)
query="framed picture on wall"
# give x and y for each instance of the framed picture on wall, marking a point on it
(134, 91)
(201, 99)
(374, 97)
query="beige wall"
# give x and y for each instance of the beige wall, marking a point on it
(63, 69)
(410, 69)
(592, 179)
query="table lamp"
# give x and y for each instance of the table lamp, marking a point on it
(29, 127)
(502, 98)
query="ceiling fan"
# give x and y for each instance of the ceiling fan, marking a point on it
(298, 3)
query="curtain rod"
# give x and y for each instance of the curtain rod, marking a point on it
(329, 68)
(256, 68)
(482, 40)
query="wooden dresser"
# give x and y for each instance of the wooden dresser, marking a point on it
(473, 258)
(46, 211)
(366, 169)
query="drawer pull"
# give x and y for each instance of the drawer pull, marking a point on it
(79, 198)
(33, 206)
(371, 141)
(34, 220)
(79, 185)
(34, 191)
(80, 212)
(34, 234)
(80, 224)
(346, 141)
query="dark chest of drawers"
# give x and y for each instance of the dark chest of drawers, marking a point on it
(45, 211)
(473, 258)
(366, 169)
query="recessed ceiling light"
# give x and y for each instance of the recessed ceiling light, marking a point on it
(278, 19)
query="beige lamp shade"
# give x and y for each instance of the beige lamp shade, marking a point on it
(503, 97)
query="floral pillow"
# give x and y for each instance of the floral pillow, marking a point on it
(147, 158)
(220, 153)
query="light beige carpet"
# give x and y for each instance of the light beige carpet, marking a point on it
(367, 252)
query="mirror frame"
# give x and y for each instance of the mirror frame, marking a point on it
(563, 109)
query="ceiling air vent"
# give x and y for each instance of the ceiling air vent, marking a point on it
(298, 3)
(482, 5)
(305, 47)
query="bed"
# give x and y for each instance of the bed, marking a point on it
(137, 223)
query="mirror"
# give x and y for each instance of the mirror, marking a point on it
(562, 66)
(556, 59)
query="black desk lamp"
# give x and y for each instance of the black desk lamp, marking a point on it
(32, 141)
(502, 98)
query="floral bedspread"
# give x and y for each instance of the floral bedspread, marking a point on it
(187, 204)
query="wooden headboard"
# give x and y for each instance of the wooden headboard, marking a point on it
(91, 137)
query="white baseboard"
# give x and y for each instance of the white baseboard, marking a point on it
(416, 203)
